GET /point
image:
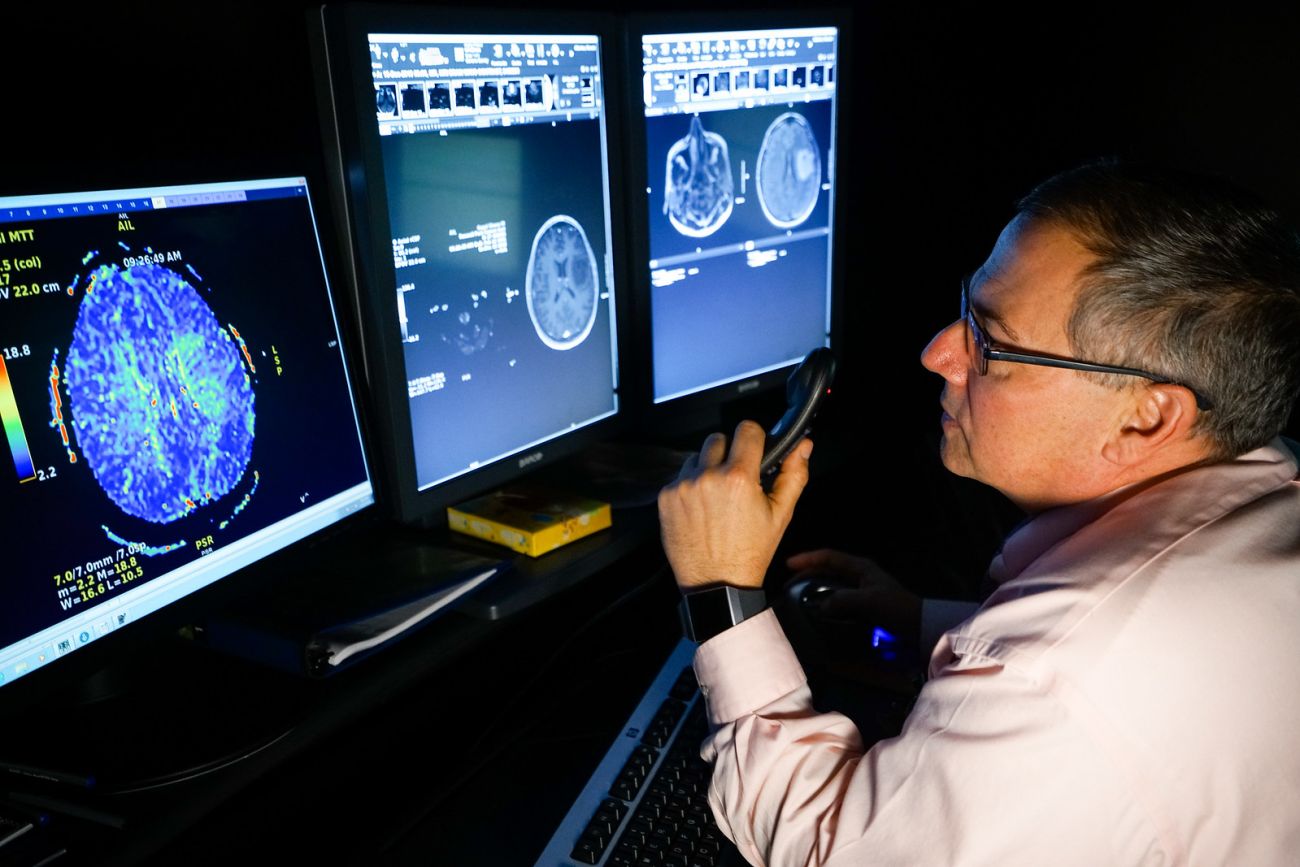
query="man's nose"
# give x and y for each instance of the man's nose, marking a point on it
(947, 353)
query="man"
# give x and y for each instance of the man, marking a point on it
(1127, 695)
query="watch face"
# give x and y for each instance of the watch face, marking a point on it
(719, 608)
(561, 284)
(710, 612)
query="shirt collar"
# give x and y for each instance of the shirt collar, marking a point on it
(1222, 487)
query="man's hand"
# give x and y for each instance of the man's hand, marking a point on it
(718, 524)
(872, 597)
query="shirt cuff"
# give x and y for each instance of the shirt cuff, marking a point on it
(746, 667)
(940, 615)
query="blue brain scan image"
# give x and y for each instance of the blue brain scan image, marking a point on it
(789, 174)
(698, 190)
(561, 285)
(161, 397)
(439, 97)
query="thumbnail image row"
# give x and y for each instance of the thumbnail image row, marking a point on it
(746, 82)
(434, 99)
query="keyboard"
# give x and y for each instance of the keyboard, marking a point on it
(647, 802)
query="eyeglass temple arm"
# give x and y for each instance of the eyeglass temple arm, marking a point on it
(1202, 403)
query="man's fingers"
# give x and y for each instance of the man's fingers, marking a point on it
(689, 467)
(713, 450)
(809, 561)
(747, 447)
(710, 455)
(793, 477)
(824, 559)
(716, 521)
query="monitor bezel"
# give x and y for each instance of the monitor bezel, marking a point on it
(71, 680)
(339, 37)
(686, 410)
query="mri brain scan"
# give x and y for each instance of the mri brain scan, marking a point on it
(386, 100)
(789, 172)
(561, 285)
(698, 191)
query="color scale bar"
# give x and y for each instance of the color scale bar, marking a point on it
(14, 428)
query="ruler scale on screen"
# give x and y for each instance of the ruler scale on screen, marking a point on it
(13, 425)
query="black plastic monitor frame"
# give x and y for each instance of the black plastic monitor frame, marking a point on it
(352, 150)
(102, 668)
(683, 414)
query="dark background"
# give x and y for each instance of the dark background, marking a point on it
(951, 113)
(955, 112)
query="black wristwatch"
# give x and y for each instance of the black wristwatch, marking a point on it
(707, 612)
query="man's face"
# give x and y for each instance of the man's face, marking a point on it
(1034, 433)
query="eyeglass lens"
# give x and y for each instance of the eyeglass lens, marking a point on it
(975, 343)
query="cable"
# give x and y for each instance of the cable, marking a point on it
(173, 778)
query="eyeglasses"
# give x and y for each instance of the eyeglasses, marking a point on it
(985, 352)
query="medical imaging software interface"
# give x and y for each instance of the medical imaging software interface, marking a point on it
(498, 197)
(174, 400)
(739, 134)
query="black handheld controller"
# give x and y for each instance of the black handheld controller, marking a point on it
(804, 391)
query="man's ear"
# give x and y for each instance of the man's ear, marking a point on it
(1161, 415)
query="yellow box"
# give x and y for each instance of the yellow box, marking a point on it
(531, 521)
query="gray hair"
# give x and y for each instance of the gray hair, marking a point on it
(1195, 281)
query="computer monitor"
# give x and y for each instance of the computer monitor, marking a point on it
(473, 158)
(734, 237)
(174, 398)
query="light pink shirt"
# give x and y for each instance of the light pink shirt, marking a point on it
(1130, 694)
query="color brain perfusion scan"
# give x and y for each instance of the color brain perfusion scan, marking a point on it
(174, 400)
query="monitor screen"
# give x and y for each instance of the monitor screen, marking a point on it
(497, 193)
(174, 398)
(739, 143)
